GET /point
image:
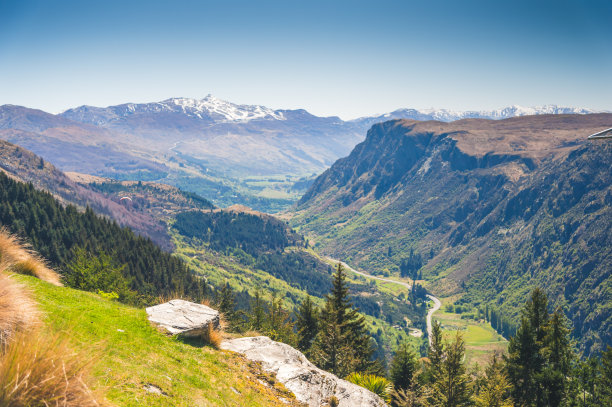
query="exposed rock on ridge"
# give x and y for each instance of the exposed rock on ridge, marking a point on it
(310, 384)
(183, 317)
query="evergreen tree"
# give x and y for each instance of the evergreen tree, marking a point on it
(524, 363)
(435, 353)
(279, 325)
(605, 378)
(494, 388)
(307, 324)
(540, 357)
(451, 387)
(342, 345)
(559, 356)
(404, 367)
(257, 315)
(227, 306)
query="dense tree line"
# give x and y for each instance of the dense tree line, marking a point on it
(58, 233)
(541, 369)
(334, 337)
(410, 266)
(251, 233)
(258, 242)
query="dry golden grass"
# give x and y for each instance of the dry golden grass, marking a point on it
(41, 370)
(213, 337)
(15, 256)
(18, 311)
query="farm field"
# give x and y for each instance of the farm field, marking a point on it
(481, 340)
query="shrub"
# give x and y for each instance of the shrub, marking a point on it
(376, 384)
(17, 310)
(18, 258)
(213, 337)
(40, 370)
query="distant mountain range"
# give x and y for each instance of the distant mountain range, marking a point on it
(227, 152)
(444, 115)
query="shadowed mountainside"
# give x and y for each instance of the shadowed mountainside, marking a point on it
(494, 208)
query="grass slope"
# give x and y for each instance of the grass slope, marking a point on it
(129, 354)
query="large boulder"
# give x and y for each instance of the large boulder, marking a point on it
(310, 384)
(183, 317)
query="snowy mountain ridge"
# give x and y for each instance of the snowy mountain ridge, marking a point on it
(446, 115)
(209, 109)
(213, 111)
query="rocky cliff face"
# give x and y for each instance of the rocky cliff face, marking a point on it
(494, 207)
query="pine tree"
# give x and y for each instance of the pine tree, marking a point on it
(342, 345)
(524, 364)
(307, 324)
(403, 367)
(451, 386)
(605, 378)
(559, 357)
(435, 353)
(227, 305)
(494, 389)
(279, 326)
(540, 357)
(257, 315)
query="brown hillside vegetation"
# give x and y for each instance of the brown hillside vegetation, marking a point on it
(36, 369)
(532, 137)
(16, 257)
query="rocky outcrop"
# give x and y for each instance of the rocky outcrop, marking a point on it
(308, 383)
(183, 317)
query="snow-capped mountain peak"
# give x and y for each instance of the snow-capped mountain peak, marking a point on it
(209, 109)
(221, 110)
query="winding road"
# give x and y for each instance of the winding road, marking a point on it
(436, 306)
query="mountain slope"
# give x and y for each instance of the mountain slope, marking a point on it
(493, 207)
(229, 153)
(230, 137)
(130, 358)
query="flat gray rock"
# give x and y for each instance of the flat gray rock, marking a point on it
(183, 317)
(308, 383)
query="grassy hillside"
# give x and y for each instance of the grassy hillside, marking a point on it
(128, 354)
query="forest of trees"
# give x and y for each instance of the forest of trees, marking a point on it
(410, 266)
(258, 242)
(251, 233)
(77, 244)
(541, 369)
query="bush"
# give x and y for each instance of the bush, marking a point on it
(376, 384)
(98, 274)
(40, 370)
(17, 310)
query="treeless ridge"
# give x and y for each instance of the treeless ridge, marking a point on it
(534, 137)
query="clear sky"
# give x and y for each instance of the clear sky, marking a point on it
(345, 58)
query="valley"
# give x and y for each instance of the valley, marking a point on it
(456, 223)
(493, 208)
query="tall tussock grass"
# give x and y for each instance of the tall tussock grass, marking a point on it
(41, 370)
(18, 311)
(15, 256)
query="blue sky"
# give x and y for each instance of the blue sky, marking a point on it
(346, 58)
